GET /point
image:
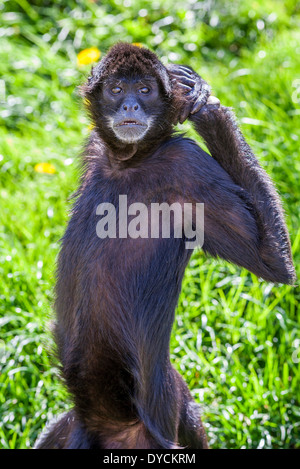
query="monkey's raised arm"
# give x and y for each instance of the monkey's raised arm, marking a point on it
(217, 126)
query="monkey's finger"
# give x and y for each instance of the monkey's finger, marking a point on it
(198, 104)
(185, 112)
(212, 102)
(202, 98)
(186, 69)
(182, 73)
(195, 86)
(185, 88)
(183, 77)
(185, 80)
(180, 68)
(200, 101)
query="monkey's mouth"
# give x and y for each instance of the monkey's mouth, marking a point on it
(130, 130)
(130, 123)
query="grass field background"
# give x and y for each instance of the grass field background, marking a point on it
(236, 338)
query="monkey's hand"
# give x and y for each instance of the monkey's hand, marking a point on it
(194, 89)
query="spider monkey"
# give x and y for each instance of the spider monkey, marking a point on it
(116, 296)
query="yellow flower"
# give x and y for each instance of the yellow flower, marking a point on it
(88, 56)
(91, 126)
(137, 44)
(46, 168)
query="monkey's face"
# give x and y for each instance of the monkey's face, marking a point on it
(130, 106)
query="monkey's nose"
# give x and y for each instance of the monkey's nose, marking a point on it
(130, 107)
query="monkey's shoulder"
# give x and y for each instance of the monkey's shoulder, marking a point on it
(189, 160)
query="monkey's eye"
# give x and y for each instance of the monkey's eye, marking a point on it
(116, 90)
(145, 90)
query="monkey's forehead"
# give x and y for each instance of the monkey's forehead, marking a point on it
(132, 77)
(131, 68)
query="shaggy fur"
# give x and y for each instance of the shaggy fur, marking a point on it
(116, 298)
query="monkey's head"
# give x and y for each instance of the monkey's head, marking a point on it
(130, 97)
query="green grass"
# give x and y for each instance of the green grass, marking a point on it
(236, 339)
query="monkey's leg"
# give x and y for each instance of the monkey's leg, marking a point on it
(67, 433)
(191, 432)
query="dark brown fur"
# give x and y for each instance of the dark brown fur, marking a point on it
(116, 297)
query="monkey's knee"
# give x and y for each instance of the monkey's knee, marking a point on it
(66, 433)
